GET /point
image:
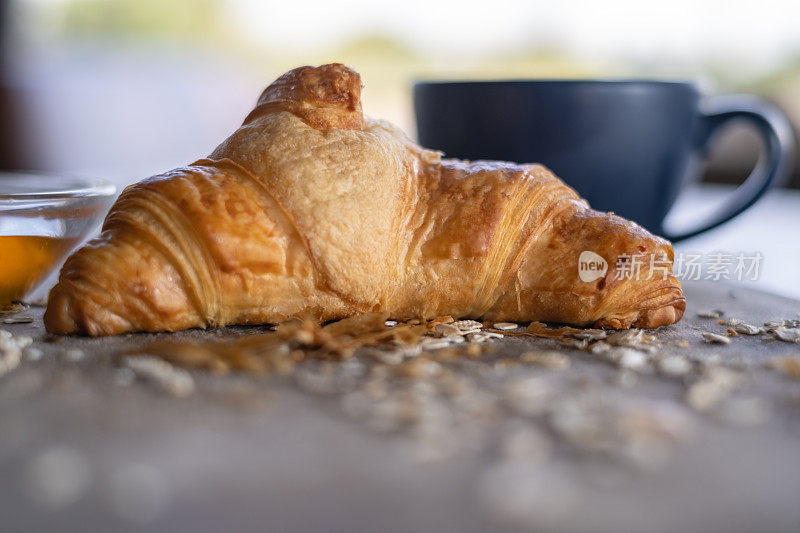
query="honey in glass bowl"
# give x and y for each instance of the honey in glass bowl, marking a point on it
(25, 260)
(42, 219)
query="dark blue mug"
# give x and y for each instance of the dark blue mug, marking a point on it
(625, 146)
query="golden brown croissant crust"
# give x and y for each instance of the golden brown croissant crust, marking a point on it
(311, 209)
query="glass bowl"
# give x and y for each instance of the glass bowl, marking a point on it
(42, 219)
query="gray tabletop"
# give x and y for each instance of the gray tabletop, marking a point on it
(655, 436)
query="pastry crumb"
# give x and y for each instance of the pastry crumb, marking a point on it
(714, 338)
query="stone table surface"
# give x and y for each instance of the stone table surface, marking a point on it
(592, 447)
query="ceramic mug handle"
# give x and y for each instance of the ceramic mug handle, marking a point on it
(776, 133)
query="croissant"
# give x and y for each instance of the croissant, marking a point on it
(311, 209)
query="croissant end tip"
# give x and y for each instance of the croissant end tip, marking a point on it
(57, 318)
(661, 316)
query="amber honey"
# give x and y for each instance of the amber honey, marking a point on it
(24, 261)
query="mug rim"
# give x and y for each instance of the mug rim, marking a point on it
(630, 82)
